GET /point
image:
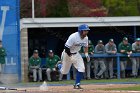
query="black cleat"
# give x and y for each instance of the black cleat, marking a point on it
(77, 87)
(97, 77)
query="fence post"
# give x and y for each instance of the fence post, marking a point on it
(118, 66)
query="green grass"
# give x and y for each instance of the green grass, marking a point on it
(93, 81)
(133, 88)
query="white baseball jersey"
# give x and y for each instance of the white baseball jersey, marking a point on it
(75, 42)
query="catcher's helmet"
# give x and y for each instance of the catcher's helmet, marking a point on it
(83, 27)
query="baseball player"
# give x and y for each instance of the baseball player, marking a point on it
(51, 63)
(99, 49)
(110, 49)
(34, 66)
(124, 48)
(135, 60)
(2, 57)
(88, 64)
(71, 53)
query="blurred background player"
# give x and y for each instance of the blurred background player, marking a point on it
(135, 60)
(71, 53)
(34, 66)
(2, 57)
(99, 49)
(110, 49)
(88, 64)
(51, 64)
(124, 48)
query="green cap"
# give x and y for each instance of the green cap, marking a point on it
(111, 40)
(100, 41)
(125, 38)
(35, 51)
(137, 39)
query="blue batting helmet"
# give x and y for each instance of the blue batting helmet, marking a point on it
(83, 27)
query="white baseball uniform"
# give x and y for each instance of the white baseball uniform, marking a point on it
(74, 43)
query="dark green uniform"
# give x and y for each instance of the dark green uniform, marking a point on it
(2, 55)
(127, 47)
(34, 66)
(51, 62)
(123, 61)
(34, 61)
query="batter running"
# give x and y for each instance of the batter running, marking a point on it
(71, 54)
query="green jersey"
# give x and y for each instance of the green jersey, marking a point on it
(2, 55)
(34, 61)
(126, 47)
(51, 62)
(90, 49)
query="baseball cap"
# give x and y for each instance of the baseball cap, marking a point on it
(50, 51)
(125, 38)
(35, 51)
(111, 40)
(137, 39)
(100, 41)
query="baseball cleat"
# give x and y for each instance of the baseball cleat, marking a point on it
(77, 87)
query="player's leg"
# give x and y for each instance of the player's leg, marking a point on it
(88, 70)
(96, 64)
(48, 71)
(102, 66)
(138, 60)
(35, 74)
(123, 64)
(107, 68)
(79, 65)
(134, 65)
(40, 74)
(111, 68)
(66, 63)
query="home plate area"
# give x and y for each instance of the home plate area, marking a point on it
(89, 88)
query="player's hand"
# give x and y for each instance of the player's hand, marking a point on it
(88, 59)
(54, 69)
(114, 52)
(91, 53)
(122, 51)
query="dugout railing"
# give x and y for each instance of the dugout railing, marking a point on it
(117, 56)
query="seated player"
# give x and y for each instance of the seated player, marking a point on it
(34, 66)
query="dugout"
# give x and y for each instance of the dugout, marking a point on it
(51, 33)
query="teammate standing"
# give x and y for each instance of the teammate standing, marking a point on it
(110, 49)
(124, 48)
(99, 49)
(71, 53)
(135, 60)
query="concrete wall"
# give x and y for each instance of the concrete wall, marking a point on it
(24, 54)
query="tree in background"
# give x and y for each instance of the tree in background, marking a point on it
(57, 8)
(80, 8)
(122, 7)
(86, 8)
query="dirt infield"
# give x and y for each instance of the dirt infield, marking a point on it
(90, 88)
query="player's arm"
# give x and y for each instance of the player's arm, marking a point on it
(86, 54)
(68, 44)
(67, 50)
